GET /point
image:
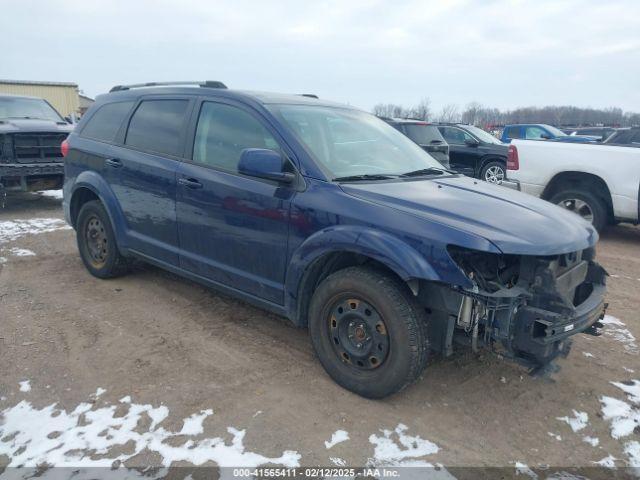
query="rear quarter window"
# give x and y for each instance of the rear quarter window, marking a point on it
(156, 126)
(105, 123)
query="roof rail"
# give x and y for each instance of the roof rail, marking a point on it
(206, 83)
(310, 95)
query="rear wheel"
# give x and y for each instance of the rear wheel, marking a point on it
(368, 332)
(589, 206)
(96, 242)
(493, 172)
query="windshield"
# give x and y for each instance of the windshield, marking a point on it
(555, 131)
(20, 107)
(485, 137)
(350, 143)
(423, 134)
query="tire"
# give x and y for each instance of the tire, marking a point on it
(582, 201)
(394, 325)
(97, 242)
(494, 172)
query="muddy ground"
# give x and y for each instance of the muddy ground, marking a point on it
(163, 340)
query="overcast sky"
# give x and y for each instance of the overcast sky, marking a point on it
(500, 53)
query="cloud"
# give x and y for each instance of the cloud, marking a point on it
(502, 53)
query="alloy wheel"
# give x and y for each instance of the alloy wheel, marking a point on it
(578, 206)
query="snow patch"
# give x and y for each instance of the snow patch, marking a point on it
(337, 437)
(93, 437)
(523, 469)
(21, 252)
(99, 391)
(624, 418)
(578, 422)
(607, 462)
(25, 386)
(630, 370)
(11, 230)
(593, 441)
(193, 424)
(397, 449)
(57, 194)
(587, 354)
(555, 435)
(338, 461)
(616, 330)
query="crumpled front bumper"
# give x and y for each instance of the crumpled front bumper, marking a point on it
(16, 176)
(539, 334)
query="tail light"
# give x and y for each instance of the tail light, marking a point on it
(64, 148)
(513, 162)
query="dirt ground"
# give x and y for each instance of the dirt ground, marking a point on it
(163, 340)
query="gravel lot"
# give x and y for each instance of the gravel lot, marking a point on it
(128, 360)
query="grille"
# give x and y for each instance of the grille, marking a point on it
(37, 147)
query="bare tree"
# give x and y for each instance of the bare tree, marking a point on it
(449, 113)
(422, 111)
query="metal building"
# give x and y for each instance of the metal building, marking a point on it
(62, 95)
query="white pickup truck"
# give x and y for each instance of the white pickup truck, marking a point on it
(599, 182)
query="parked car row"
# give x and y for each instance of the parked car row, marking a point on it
(461, 148)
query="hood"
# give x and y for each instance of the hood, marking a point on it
(25, 125)
(514, 222)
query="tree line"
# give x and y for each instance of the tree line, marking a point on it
(477, 114)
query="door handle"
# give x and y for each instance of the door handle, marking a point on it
(190, 183)
(113, 162)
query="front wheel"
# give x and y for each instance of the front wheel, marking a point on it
(493, 172)
(368, 331)
(587, 205)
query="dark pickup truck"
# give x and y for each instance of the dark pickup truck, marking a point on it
(31, 132)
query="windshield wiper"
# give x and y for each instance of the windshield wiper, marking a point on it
(425, 171)
(25, 117)
(366, 176)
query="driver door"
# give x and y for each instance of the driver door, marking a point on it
(233, 229)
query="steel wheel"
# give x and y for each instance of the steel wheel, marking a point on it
(358, 333)
(96, 240)
(494, 174)
(578, 206)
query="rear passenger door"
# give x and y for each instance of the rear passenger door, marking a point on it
(233, 229)
(462, 157)
(143, 174)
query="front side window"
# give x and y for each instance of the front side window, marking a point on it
(222, 134)
(350, 142)
(456, 136)
(29, 108)
(535, 133)
(156, 126)
(105, 123)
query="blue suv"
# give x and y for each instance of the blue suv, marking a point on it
(330, 217)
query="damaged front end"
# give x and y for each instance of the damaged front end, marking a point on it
(523, 307)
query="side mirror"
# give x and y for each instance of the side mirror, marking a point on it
(264, 163)
(545, 136)
(470, 142)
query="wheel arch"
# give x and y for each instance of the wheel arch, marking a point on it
(577, 180)
(90, 186)
(328, 251)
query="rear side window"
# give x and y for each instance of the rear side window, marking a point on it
(156, 126)
(423, 134)
(105, 123)
(513, 132)
(223, 132)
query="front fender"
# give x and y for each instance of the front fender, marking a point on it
(94, 182)
(386, 248)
